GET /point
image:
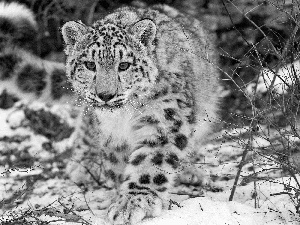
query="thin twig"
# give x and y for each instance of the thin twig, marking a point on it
(245, 152)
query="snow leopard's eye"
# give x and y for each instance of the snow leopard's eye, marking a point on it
(90, 65)
(123, 66)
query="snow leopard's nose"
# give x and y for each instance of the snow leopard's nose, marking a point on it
(106, 96)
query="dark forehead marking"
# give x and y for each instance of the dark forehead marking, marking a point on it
(107, 37)
(93, 43)
(109, 29)
(120, 43)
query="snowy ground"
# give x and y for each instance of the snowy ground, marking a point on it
(33, 184)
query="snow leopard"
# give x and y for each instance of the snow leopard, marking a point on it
(150, 76)
(149, 80)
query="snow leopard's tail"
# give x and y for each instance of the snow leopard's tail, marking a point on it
(22, 73)
(18, 26)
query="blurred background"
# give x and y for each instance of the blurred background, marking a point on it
(249, 35)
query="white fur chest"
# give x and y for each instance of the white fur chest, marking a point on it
(117, 123)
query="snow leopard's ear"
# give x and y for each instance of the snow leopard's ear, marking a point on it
(144, 31)
(73, 31)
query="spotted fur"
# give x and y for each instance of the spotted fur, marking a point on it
(149, 75)
(17, 26)
(22, 73)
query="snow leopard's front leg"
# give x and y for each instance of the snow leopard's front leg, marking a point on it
(149, 176)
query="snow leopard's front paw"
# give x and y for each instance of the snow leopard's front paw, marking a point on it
(134, 206)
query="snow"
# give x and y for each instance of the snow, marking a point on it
(270, 199)
(279, 80)
(204, 211)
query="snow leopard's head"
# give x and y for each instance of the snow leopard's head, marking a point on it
(110, 65)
